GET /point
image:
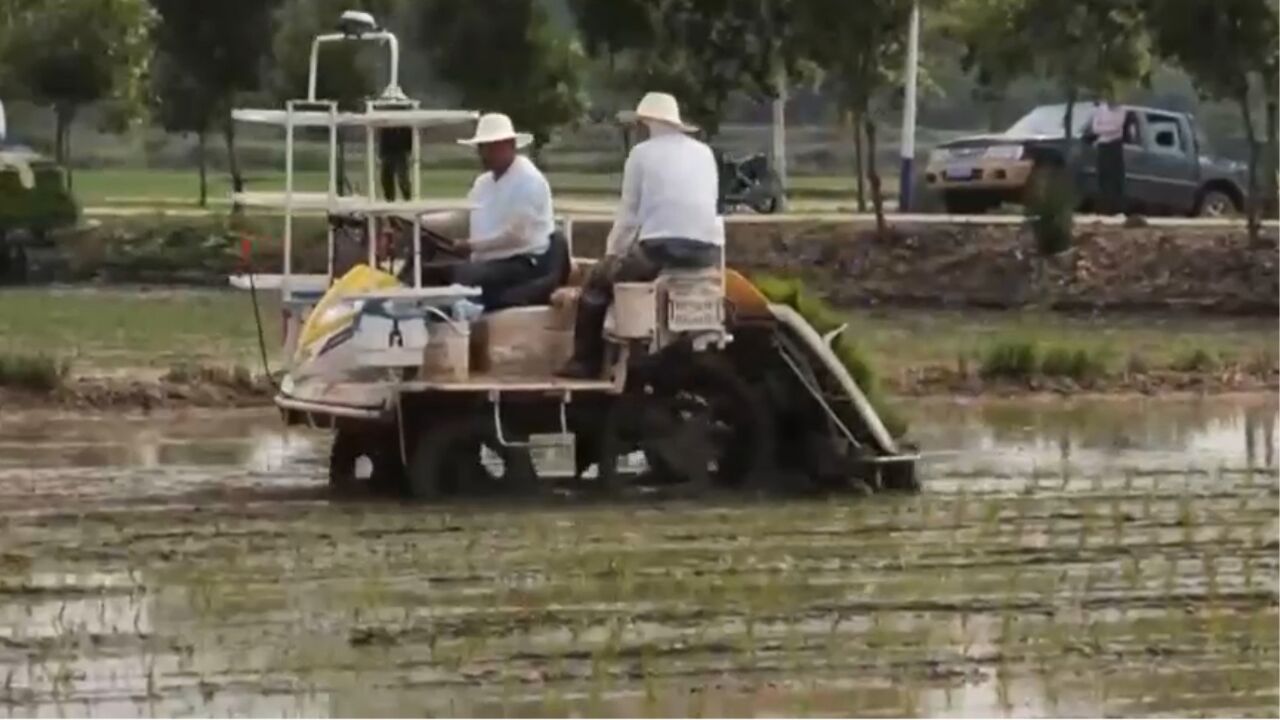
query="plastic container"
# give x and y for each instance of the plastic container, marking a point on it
(447, 355)
(635, 310)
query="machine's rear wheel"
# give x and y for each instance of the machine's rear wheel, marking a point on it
(703, 424)
(446, 460)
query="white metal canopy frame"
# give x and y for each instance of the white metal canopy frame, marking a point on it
(391, 109)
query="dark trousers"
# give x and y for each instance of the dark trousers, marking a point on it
(1111, 200)
(641, 263)
(491, 276)
(395, 169)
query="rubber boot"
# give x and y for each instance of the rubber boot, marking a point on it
(588, 342)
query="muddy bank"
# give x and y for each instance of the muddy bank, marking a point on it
(139, 393)
(961, 265)
(1113, 268)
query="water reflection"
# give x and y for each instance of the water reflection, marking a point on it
(1017, 437)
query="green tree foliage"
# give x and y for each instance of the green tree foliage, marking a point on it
(1091, 46)
(860, 48)
(68, 53)
(206, 53)
(701, 51)
(526, 68)
(1223, 45)
(348, 72)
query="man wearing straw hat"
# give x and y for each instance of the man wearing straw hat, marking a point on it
(511, 218)
(666, 218)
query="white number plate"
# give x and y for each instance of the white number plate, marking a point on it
(693, 310)
(959, 172)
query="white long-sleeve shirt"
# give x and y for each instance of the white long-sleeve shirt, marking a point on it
(670, 187)
(512, 214)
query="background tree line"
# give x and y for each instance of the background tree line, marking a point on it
(555, 63)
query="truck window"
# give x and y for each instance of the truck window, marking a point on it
(1164, 135)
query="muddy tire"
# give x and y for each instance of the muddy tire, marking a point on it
(705, 399)
(382, 455)
(446, 461)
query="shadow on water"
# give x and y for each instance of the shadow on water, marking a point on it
(1097, 557)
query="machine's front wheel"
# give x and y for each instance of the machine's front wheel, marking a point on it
(359, 460)
(446, 460)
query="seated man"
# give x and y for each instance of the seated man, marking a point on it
(666, 218)
(511, 219)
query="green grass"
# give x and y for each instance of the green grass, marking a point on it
(895, 340)
(128, 327)
(107, 329)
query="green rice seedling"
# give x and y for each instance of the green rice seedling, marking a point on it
(1262, 362)
(1078, 364)
(35, 373)
(1197, 360)
(1011, 359)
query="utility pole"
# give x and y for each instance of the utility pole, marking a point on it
(779, 148)
(906, 179)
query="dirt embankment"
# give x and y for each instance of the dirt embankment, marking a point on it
(1210, 270)
(923, 381)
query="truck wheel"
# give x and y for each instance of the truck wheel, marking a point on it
(1216, 203)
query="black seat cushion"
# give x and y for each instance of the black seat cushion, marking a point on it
(555, 264)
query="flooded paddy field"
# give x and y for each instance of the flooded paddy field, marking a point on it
(1113, 557)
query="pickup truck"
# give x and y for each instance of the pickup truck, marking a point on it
(1168, 167)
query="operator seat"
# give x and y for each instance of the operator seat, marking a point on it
(556, 265)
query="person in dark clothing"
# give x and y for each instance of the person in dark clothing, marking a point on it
(395, 144)
(1107, 128)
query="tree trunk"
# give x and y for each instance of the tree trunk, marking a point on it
(233, 164)
(873, 174)
(202, 157)
(859, 165)
(1251, 203)
(64, 115)
(1273, 143)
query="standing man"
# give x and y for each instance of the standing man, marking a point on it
(395, 144)
(1107, 129)
(666, 218)
(511, 220)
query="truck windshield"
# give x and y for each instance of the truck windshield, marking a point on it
(1046, 121)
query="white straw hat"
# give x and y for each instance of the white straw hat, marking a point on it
(659, 107)
(496, 127)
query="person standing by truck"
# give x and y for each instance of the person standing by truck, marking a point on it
(1107, 131)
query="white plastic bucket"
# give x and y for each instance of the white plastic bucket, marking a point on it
(634, 310)
(447, 355)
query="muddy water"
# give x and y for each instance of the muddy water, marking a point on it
(1093, 558)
